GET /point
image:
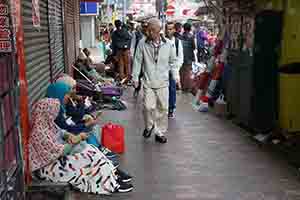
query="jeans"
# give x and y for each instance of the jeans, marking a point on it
(172, 94)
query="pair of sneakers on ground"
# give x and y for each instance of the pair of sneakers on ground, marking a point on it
(123, 178)
(158, 138)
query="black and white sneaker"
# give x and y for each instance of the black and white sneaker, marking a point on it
(147, 133)
(108, 153)
(123, 177)
(124, 188)
(161, 139)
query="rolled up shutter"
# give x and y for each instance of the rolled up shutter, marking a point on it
(37, 51)
(56, 37)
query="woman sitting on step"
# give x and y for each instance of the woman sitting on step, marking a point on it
(61, 91)
(58, 156)
(75, 108)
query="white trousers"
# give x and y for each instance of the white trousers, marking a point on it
(156, 105)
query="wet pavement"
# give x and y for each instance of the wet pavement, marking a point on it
(206, 158)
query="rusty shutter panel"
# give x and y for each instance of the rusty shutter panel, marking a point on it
(37, 51)
(56, 37)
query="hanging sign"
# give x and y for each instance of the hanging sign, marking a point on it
(36, 17)
(5, 41)
(3, 9)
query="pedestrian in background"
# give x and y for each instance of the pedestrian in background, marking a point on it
(157, 56)
(121, 41)
(134, 44)
(174, 75)
(189, 45)
(178, 30)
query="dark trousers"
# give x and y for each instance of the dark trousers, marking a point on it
(185, 77)
(123, 62)
(172, 94)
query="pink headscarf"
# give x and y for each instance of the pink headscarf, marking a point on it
(43, 145)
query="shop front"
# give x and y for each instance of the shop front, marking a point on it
(11, 164)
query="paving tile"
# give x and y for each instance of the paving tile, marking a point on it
(206, 158)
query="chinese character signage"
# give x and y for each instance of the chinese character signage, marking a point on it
(5, 41)
(36, 18)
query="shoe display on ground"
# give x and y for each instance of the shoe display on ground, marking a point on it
(161, 139)
(147, 133)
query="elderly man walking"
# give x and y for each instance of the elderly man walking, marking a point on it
(157, 56)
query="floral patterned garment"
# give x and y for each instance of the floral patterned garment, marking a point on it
(89, 171)
(43, 145)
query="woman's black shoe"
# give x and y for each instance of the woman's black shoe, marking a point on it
(147, 133)
(124, 188)
(123, 177)
(161, 139)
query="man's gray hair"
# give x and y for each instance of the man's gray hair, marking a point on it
(154, 22)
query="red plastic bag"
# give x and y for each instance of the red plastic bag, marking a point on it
(113, 137)
(200, 82)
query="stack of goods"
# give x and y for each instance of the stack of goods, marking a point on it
(209, 81)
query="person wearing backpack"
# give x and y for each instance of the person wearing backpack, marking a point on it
(174, 75)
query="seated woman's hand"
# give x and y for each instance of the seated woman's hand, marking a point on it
(87, 118)
(73, 139)
(83, 136)
(91, 122)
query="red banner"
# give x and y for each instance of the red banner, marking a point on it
(5, 41)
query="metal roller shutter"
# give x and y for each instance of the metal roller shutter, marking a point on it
(73, 29)
(56, 37)
(37, 51)
(77, 27)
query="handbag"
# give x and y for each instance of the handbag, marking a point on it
(113, 137)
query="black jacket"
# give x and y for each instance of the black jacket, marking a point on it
(121, 39)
